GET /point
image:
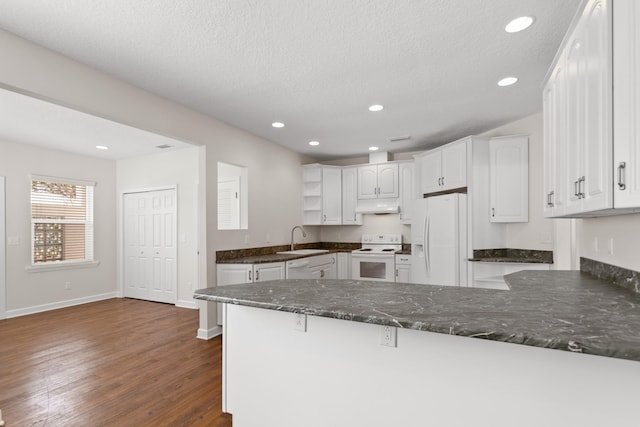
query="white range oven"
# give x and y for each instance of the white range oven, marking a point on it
(376, 259)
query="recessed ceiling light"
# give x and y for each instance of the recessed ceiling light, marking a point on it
(519, 24)
(102, 147)
(376, 107)
(277, 124)
(314, 143)
(373, 148)
(507, 81)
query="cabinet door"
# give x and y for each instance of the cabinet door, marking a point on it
(430, 171)
(509, 179)
(555, 142)
(597, 182)
(268, 271)
(407, 194)
(626, 103)
(454, 166)
(368, 182)
(350, 197)
(403, 273)
(388, 180)
(575, 82)
(234, 274)
(331, 196)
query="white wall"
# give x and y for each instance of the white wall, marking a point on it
(35, 291)
(623, 230)
(165, 169)
(371, 224)
(2, 252)
(275, 180)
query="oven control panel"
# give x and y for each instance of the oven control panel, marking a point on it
(380, 239)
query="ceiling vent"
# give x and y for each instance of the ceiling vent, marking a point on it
(400, 138)
(163, 146)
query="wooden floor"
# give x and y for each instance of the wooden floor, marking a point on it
(120, 362)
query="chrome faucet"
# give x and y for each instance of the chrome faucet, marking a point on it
(304, 234)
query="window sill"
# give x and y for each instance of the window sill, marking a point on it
(61, 265)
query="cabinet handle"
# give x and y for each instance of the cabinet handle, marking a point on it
(439, 181)
(324, 218)
(396, 272)
(257, 275)
(581, 192)
(621, 168)
(493, 212)
(575, 188)
(321, 274)
(250, 276)
(550, 199)
(443, 180)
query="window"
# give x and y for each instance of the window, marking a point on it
(61, 220)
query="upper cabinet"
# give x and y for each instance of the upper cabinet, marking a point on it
(444, 168)
(407, 191)
(591, 159)
(509, 179)
(378, 181)
(350, 196)
(322, 195)
(626, 104)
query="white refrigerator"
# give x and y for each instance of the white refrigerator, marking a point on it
(439, 240)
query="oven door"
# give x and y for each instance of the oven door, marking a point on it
(379, 267)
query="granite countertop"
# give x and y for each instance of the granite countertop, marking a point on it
(565, 310)
(513, 256)
(270, 253)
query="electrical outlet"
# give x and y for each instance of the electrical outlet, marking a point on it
(67, 285)
(300, 322)
(388, 336)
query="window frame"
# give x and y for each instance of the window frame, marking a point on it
(88, 222)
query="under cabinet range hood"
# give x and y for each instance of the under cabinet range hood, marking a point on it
(378, 207)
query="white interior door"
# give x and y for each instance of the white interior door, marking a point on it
(3, 245)
(150, 234)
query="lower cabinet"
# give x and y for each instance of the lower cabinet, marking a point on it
(403, 268)
(234, 274)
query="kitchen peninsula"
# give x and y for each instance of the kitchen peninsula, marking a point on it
(327, 367)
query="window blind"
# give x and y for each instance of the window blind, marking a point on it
(62, 220)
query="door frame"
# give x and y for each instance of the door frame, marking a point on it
(3, 252)
(123, 231)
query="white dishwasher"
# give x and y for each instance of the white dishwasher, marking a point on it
(314, 267)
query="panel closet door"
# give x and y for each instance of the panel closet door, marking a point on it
(150, 248)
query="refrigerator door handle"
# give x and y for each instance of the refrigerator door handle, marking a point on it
(425, 247)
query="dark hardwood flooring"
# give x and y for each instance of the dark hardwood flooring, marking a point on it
(119, 362)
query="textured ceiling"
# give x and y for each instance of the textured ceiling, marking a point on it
(316, 65)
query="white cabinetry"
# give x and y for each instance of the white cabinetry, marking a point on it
(322, 195)
(407, 191)
(598, 60)
(403, 268)
(350, 196)
(626, 103)
(378, 181)
(331, 195)
(234, 274)
(444, 168)
(509, 178)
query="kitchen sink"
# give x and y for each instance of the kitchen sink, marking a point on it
(304, 252)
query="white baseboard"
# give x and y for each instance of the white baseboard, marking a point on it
(60, 304)
(187, 304)
(207, 334)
